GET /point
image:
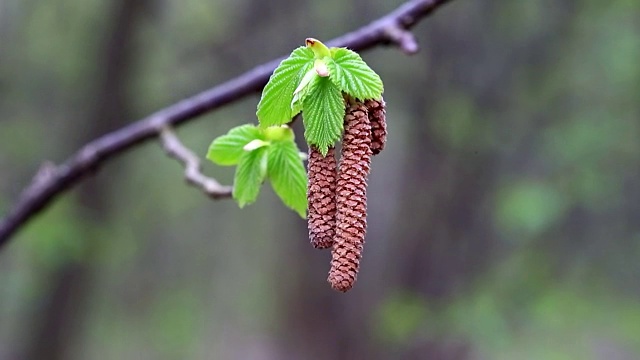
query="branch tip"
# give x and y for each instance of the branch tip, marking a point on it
(402, 38)
(192, 168)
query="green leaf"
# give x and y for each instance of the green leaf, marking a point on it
(353, 76)
(255, 144)
(227, 149)
(279, 133)
(323, 114)
(288, 176)
(306, 84)
(251, 172)
(274, 107)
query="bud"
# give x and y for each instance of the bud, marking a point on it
(319, 49)
(351, 198)
(321, 68)
(321, 196)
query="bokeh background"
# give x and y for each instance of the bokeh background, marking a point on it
(503, 217)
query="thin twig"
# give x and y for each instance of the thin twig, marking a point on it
(403, 38)
(92, 155)
(192, 169)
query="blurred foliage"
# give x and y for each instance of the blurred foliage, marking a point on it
(56, 240)
(502, 216)
(528, 208)
(399, 318)
(515, 312)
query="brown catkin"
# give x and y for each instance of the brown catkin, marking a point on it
(321, 195)
(351, 199)
(377, 117)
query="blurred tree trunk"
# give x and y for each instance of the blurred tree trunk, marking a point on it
(445, 231)
(58, 321)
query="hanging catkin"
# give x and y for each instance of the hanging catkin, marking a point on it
(351, 198)
(321, 195)
(377, 114)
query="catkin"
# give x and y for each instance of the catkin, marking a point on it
(321, 196)
(351, 198)
(377, 117)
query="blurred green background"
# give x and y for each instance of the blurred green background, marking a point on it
(503, 218)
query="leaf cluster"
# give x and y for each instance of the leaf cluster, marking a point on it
(313, 80)
(262, 154)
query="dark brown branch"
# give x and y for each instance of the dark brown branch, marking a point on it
(61, 178)
(192, 170)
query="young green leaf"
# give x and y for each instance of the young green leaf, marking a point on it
(251, 172)
(307, 82)
(288, 176)
(255, 144)
(274, 107)
(302, 91)
(279, 133)
(353, 76)
(323, 114)
(227, 149)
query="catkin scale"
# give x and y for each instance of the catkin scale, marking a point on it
(377, 117)
(351, 198)
(321, 196)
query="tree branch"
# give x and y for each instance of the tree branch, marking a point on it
(46, 186)
(192, 169)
